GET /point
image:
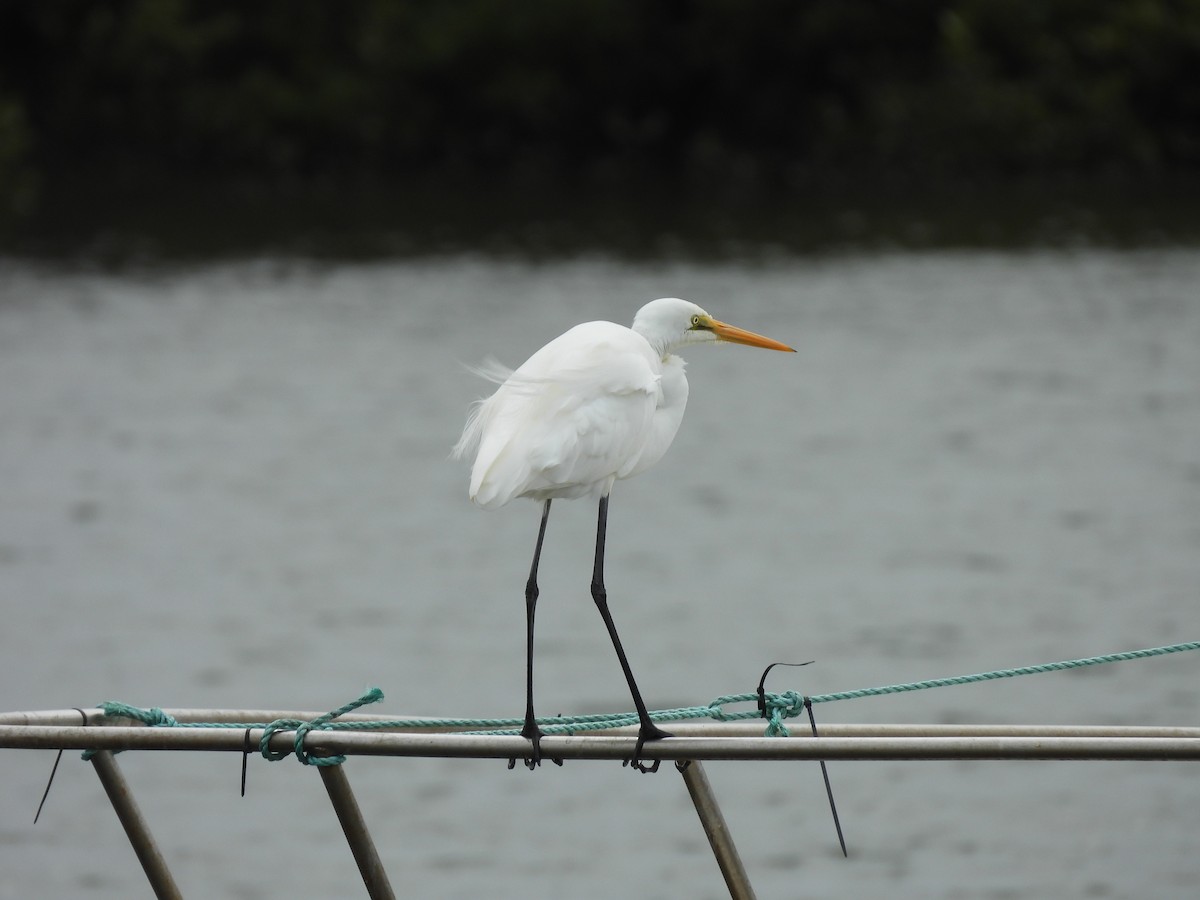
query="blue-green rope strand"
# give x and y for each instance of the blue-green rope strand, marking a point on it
(779, 706)
(1007, 673)
(153, 716)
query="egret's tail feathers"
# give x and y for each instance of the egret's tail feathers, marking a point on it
(496, 372)
(524, 383)
(491, 369)
(469, 439)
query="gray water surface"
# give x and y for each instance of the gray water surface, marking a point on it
(227, 486)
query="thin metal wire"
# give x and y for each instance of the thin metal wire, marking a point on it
(49, 782)
(837, 822)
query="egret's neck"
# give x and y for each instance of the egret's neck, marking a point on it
(664, 346)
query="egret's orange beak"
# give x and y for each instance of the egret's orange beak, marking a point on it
(736, 335)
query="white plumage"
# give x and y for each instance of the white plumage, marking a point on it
(599, 403)
(594, 405)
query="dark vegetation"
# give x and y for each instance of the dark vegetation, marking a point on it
(358, 106)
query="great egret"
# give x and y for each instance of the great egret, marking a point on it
(600, 403)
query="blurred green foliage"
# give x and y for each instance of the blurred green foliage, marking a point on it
(711, 89)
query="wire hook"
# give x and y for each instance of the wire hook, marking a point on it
(54, 771)
(762, 708)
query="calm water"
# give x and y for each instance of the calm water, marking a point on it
(227, 486)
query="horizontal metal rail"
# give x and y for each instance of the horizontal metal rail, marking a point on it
(830, 746)
(698, 728)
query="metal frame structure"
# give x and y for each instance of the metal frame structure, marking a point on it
(693, 743)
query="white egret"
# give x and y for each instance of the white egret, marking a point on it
(600, 403)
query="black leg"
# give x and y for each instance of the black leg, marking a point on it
(648, 731)
(530, 729)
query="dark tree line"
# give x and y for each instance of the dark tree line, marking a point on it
(298, 89)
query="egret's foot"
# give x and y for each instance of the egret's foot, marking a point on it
(648, 732)
(531, 762)
(534, 735)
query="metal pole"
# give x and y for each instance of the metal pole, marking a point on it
(357, 835)
(135, 826)
(699, 728)
(719, 837)
(797, 747)
(457, 746)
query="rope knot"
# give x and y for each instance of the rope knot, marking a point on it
(273, 728)
(302, 729)
(114, 709)
(777, 707)
(152, 716)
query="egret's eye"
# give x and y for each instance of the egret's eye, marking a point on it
(696, 323)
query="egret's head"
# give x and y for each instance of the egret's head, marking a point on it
(669, 323)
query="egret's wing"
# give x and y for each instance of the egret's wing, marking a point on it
(598, 431)
(568, 420)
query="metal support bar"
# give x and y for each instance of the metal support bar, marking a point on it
(719, 837)
(135, 826)
(698, 728)
(796, 747)
(357, 835)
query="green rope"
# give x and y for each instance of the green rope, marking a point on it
(374, 695)
(1007, 673)
(776, 708)
(153, 717)
(789, 704)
